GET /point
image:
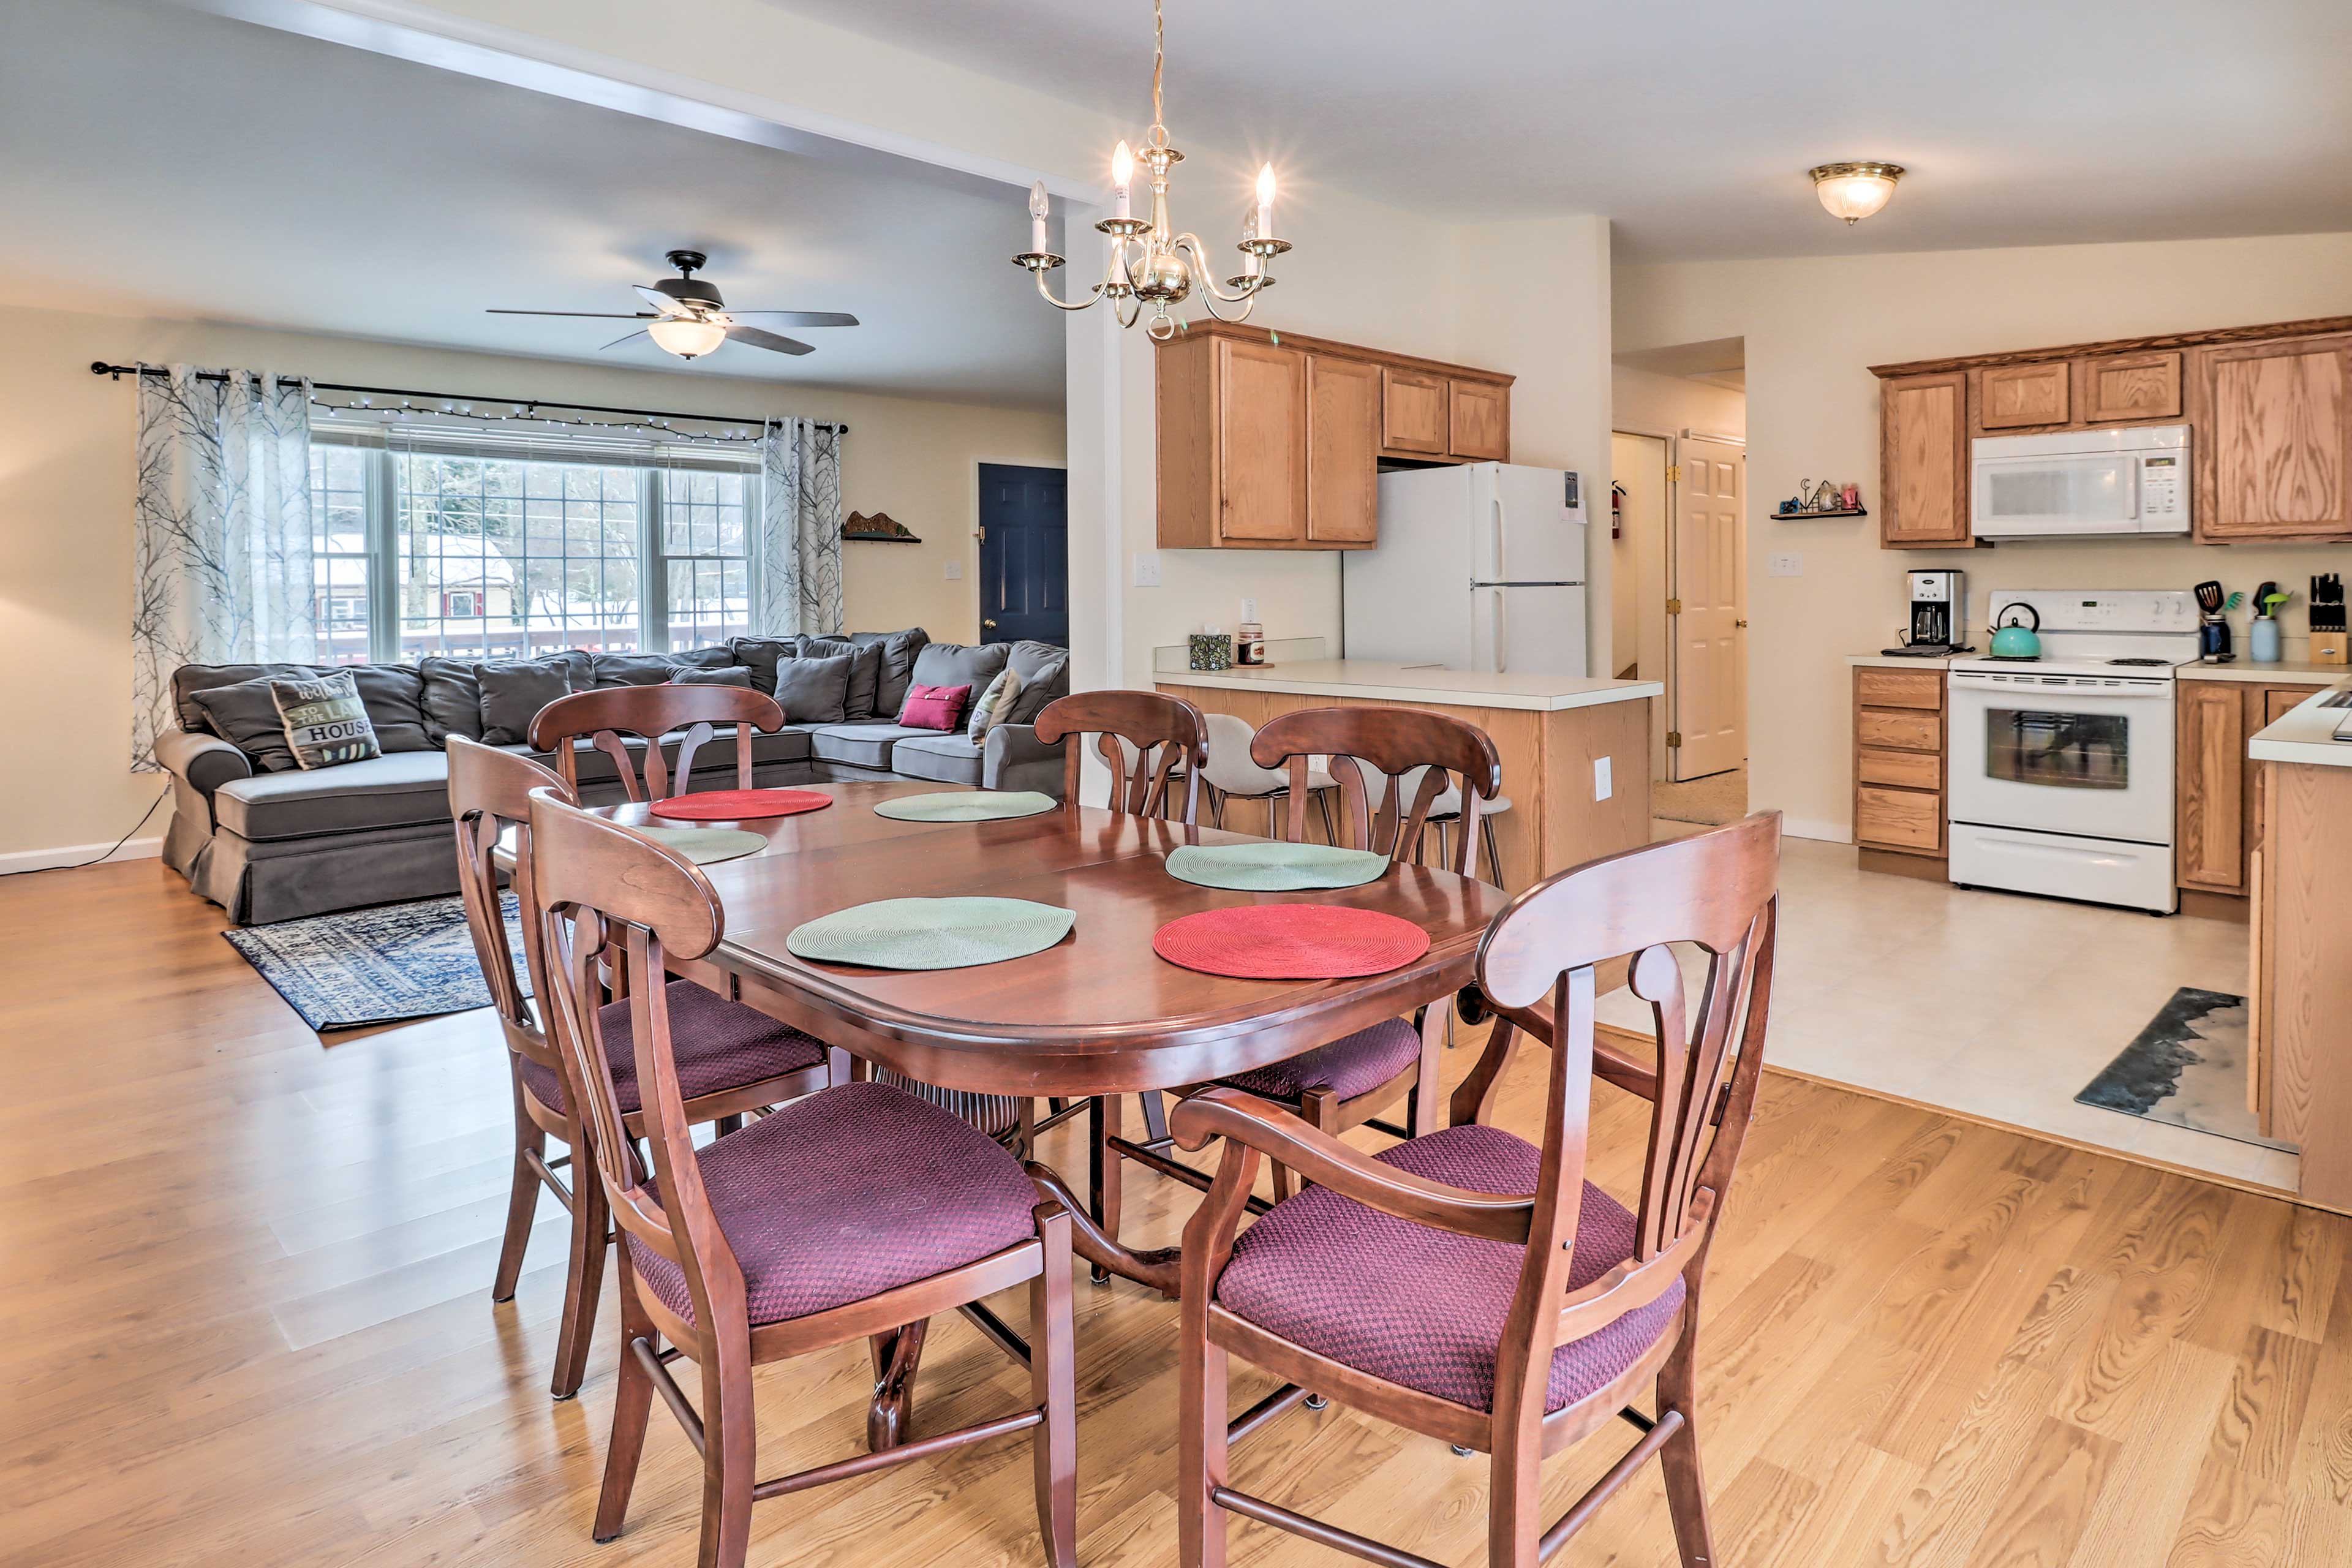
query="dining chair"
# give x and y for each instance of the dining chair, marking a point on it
(1229, 774)
(1150, 741)
(1472, 1287)
(856, 1213)
(609, 717)
(732, 1058)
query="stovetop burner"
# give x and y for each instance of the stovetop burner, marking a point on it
(2149, 663)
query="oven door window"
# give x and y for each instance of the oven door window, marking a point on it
(2061, 751)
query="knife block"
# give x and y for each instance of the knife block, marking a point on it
(2329, 648)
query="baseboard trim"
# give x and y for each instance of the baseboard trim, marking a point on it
(1809, 827)
(76, 853)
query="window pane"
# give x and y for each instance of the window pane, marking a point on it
(339, 552)
(704, 540)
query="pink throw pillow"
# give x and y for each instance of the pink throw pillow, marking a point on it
(935, 706)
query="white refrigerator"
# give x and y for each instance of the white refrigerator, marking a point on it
(1479, 567)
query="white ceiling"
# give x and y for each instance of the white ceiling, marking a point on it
(2022, 122)
(160, 160)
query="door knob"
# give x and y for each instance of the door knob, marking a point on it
(1741, 624)
(988, 625)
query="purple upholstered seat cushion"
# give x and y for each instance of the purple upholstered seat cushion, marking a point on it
(719, 1044)
(848, 1192)
(1356, 1064)
(1423, 1307)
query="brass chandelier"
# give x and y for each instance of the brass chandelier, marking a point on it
(1151, 264)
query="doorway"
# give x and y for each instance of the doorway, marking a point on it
(1024, 554)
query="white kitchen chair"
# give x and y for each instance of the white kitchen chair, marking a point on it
(1231, 776)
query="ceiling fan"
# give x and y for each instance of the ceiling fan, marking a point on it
(689, 319)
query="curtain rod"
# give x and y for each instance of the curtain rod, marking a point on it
(99, 367)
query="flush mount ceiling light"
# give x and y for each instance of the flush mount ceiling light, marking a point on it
(1854, 191)
(1151, 263)
(687, 336)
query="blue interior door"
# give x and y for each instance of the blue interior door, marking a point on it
(1024, 554)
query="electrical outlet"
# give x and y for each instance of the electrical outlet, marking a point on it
(1787, 563)
(955, 571)
(1147, 568)
(1602, 786)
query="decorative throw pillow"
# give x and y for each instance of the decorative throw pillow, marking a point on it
(1044, 673)
(245, 714)
(899, 652)
(761, 656)
(994, 705)
(728, 675)
(515, 690)
(452, 698)
(934, 706)
(654, 668)
(325, 722)
(815, 689)
(865, 672)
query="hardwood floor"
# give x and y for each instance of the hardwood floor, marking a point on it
(248, 1320)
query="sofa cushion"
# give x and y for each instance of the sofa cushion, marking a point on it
(245, 716)
(956, 664)
(900, 651)
(326, 724)
(722, 675)
(815, 689)
(862, 745)
(950, 759)
(393, 694)
(1045, 672)
(515, 690)
(404, 789)
(759, 655)
(865, 671)
(452, 698)
(606, 669)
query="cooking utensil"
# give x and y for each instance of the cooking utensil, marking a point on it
(2013, 640)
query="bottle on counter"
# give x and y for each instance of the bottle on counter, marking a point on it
(1249, 646)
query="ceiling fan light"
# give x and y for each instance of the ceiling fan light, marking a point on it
(686, 336)
(1854, 191)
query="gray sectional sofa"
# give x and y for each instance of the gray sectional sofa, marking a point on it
(268, 841)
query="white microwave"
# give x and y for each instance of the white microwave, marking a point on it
(2074, 482)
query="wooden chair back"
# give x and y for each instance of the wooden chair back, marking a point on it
(1162, 733)
(604, 717)
(596, 887)
(490, 796)
(1717, 891)
(1412, 749)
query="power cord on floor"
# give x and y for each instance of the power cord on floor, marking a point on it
(32, 870)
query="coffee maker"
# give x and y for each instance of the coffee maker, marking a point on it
(1939, 614)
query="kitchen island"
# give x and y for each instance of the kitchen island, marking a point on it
(1559, 739)
(2299, 1012)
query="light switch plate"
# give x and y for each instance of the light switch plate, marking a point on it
(1604, 787)
(1787, 563)
(1147, 568)
(955, 571)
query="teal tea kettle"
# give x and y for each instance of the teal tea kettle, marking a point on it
(2012, 640)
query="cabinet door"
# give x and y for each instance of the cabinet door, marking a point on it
(2009, 396)
(1923, 484)
(1480, 415)
(1262, 434)
(1343, 440)
(1413, 411)
(2209, 786)
(2118, 387)
(2275, 458)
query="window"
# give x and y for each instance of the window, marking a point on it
(468, 545)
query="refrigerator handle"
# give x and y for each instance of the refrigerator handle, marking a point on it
(1502, 573)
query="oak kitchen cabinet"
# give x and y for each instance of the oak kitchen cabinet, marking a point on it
(1899, 760)
(2269, 410)
(1271, 441)
(2217, 815)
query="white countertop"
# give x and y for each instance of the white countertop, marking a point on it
(1416, 683)
(2304, 734)
(2284, 673)
(1897, 661)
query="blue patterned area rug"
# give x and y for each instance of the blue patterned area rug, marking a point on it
(348, 970)
(2187, 1068)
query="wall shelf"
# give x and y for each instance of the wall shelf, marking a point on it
(1808, 516)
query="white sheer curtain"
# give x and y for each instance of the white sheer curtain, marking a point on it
(796, 546)
(222, 535)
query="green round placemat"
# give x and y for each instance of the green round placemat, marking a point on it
(932, 933)
(1274, 868)
(706, 846)
(967, 805)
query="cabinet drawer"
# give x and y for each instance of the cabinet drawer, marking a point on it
(1900, 770)
(1906, 819)
(1899, 687)
(1899, 730)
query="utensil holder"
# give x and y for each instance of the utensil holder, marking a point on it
(2263, 640)
(2329, 648)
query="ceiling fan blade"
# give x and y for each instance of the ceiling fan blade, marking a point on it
(662, 304)
(804, 318)
(764, 340)
(617, 343)
(584, 315)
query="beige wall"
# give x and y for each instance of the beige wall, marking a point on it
(65, 482)
(1813, 326)
(1669, 405)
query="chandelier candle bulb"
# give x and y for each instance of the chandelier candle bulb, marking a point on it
(1264, 201)
(1038, 216)
(1122, 174)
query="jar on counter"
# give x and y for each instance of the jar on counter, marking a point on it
(1249, 645)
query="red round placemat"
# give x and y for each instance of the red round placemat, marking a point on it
(1290, 942)
(740, 804)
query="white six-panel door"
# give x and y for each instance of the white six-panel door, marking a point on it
(1709, 571)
